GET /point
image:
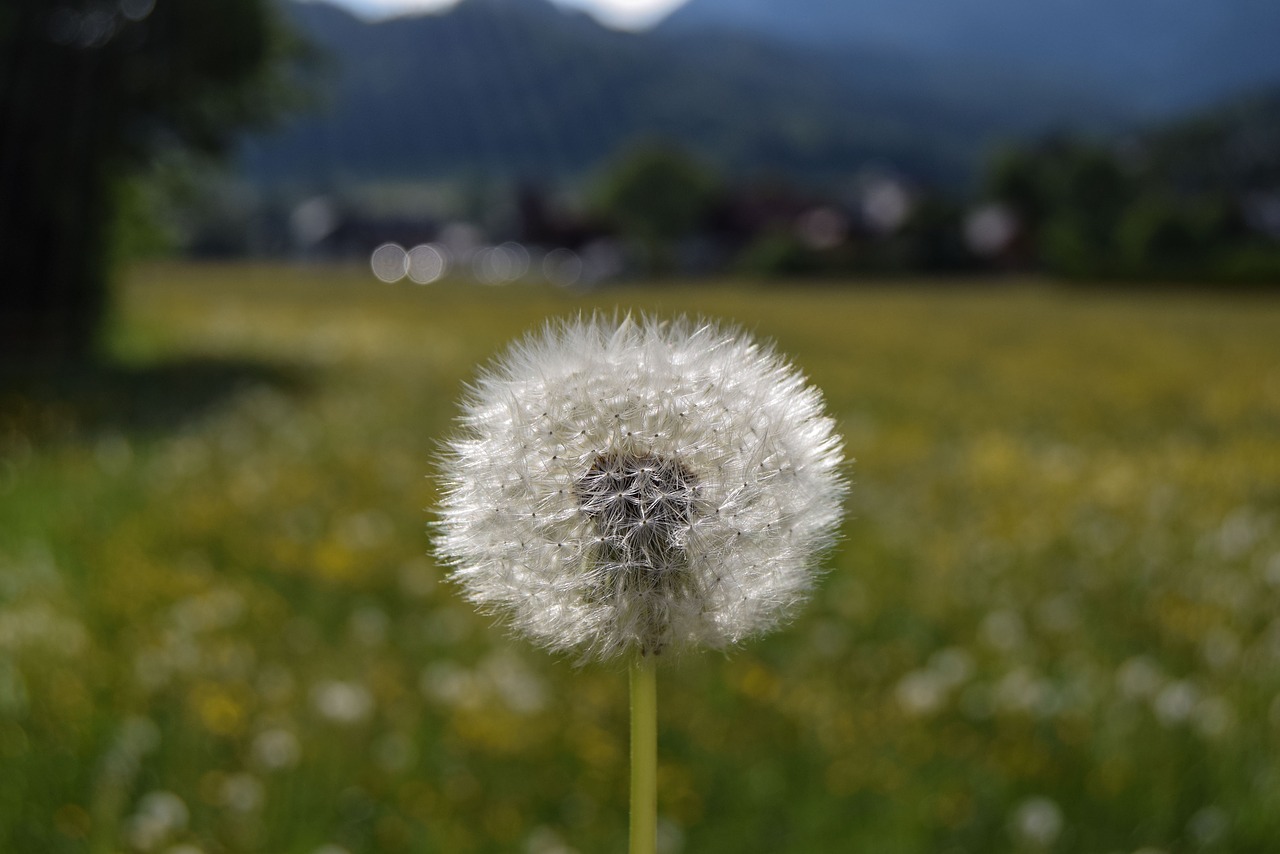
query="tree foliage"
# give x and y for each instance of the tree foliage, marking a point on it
(1195, 200)
(90, 91)
(657, 195)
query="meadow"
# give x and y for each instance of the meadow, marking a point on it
(1052, 623)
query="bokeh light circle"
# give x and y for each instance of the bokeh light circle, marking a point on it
(426, 263)
(390, 262)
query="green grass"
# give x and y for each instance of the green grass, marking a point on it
(1051, 625)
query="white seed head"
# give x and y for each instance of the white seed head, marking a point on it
(639, 486)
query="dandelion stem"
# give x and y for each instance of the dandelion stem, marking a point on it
(644, 755)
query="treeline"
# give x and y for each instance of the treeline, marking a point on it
(1195, 201)
(1198, 201)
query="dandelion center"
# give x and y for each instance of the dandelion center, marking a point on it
(640, 504)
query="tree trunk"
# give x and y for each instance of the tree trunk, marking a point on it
(55, 209)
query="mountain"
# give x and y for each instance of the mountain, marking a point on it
(521, 89)
(1152, 56)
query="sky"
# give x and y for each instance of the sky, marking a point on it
(626, 14)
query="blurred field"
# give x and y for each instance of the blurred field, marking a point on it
(1053, 623)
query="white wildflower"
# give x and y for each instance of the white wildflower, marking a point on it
(1209, 825)
(1139, 677)
(243, 793)
(276, 748)
(1176, 702)
(159, 816)
(1037, 821)
(921, 692)
(640, 486)
(342, 702)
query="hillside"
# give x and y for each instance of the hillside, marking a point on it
(1152, 56)
(522, 89)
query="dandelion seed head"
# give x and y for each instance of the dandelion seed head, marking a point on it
(623, 485)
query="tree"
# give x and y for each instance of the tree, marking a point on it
(657, 195)
(90, 90)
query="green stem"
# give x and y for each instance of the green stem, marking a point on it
(644, 756)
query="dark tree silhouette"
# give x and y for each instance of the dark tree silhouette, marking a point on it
(656, 195)
(89, 91)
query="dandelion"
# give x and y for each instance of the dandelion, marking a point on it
(640, 487)
(632, 487)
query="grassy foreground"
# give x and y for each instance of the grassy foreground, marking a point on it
(1053, 624)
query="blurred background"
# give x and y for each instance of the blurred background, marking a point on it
(251, 250)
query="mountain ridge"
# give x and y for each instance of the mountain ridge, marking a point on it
(1156, 56)
(524, 90)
